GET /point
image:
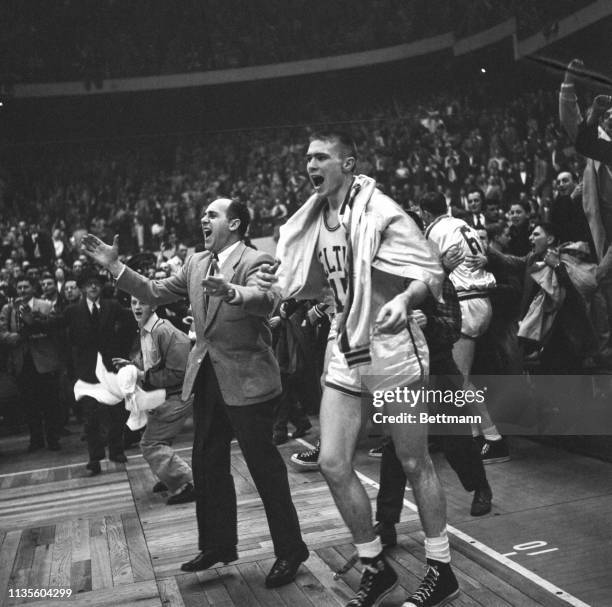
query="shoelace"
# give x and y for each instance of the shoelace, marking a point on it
(309, 454)
(428, 585)
(365, 586)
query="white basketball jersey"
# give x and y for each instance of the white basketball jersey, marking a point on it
(447, 232)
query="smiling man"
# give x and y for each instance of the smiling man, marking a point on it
(353, 240)
(235, 380)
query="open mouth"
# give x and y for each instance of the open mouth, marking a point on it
(207, 232)
(317, 180)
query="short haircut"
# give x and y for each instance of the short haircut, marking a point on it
(344, 139)
(522, 203)
(239, 210)
(549, 228)
(476, 190)
(434, 202)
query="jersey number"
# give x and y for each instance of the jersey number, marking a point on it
(474, 243)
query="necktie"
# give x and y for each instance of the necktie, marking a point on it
(95, 315)
(212, 270)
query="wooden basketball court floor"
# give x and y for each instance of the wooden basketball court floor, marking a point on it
(111, 541)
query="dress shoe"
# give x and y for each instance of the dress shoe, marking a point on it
(186, 495)
(94, 468)
(119, 458)
(481, 504)
(158, 487)
(284, 570)
(209, 557)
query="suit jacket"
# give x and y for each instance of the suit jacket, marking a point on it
(86, 342)
(470, 219)
(237, 337)
(37, 339)
(170, 352)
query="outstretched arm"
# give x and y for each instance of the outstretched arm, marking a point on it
(103, 254)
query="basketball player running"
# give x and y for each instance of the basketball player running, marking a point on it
(357, 242)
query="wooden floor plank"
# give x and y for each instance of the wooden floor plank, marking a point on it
(121, 567)
(237, 588)
(169, 593)
(62, 556)
(214, 589)
(80, 576)
(101, 574)
(41, 567)
(8, 554)
(24, 561)
(191, 590)
(142, 569)
(80, 540)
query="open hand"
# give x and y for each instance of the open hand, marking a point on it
(99, 251)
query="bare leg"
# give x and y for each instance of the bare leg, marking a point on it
(410, 441)
(463, 354)
(340, 424)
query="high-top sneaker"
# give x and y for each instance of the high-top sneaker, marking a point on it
(377, 581)
(308, 460)
(439, 587)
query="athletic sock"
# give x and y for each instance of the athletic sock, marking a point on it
(438, 548)
(369, 550)
(491, 433)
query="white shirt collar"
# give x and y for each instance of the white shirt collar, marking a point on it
(224, 255)
(31, 303)
(90, 304)
(148, 326)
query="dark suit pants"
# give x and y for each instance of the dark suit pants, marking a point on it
(103, 426)
(40, 392)
(457, 444)
(215, 426)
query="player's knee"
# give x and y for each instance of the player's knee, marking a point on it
(333, 468)
(413, 465)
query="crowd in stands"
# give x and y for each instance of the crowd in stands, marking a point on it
(92, 41)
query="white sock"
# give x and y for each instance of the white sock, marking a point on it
(438, 548)
(491, 433)
(369, 550)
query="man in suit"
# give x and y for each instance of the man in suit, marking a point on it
(96, 325)
(26, 327)
(475, 218)
(236, 383)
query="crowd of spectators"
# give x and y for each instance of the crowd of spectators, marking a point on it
(92, 41)
(514, 158)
